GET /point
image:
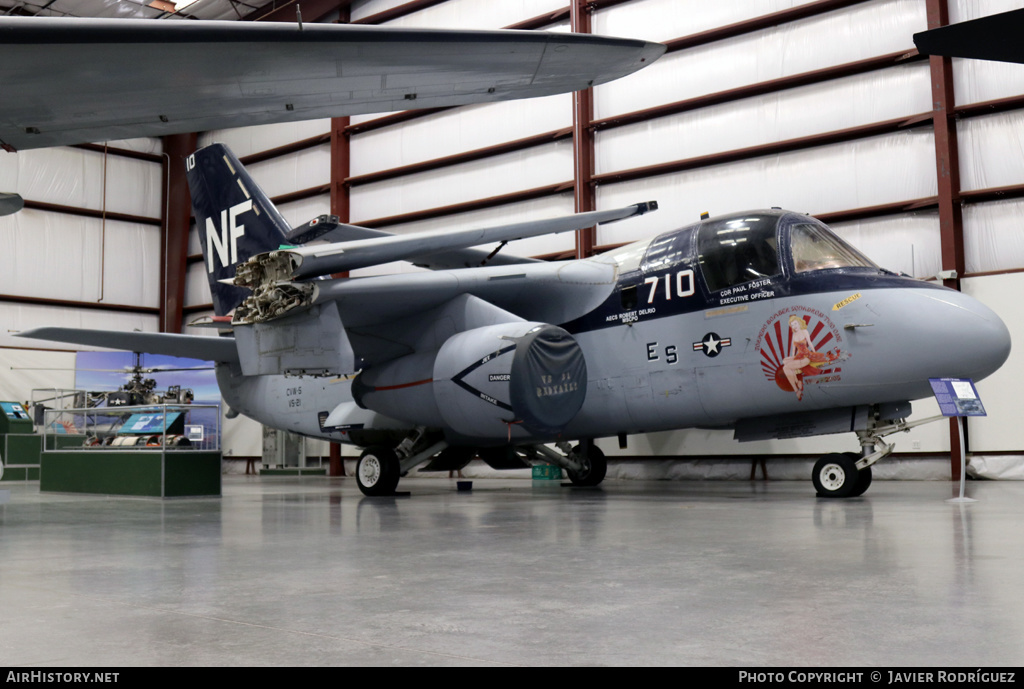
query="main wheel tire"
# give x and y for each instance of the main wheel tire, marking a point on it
(378, 471)
(594, 466)
(835, 476)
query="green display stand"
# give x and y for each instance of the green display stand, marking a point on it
(19, 446)
(154, 473)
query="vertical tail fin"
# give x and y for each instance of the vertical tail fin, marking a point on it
(234, 217)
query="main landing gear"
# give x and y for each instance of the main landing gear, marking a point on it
(585, 464)
(380, 467)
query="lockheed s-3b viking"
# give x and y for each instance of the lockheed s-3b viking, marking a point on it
(765, 322)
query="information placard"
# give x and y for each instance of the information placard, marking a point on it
(957, 397)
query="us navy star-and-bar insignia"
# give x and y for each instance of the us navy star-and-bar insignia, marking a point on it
(712, 344)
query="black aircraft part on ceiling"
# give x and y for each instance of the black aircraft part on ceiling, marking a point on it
(997, 37)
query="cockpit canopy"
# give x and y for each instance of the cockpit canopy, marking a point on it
(745, 247)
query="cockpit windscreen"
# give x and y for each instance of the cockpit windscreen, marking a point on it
(815, 248)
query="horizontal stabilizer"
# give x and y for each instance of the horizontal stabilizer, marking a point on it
(10, 203)
(220, 349)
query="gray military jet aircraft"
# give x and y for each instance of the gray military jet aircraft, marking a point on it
(763, 321)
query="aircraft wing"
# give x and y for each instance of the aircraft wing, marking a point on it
(441, 260)
(325, 259)
(996, 37)
(69, 81)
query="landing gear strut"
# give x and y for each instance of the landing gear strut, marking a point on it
(585, 464)
(381, 467)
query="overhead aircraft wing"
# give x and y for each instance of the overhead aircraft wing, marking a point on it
(68, 81)
(325, 259)
(996, 37)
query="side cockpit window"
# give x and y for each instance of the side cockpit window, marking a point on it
(738, 250)
(816, 248)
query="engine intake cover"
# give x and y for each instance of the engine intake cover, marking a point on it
(527, 374)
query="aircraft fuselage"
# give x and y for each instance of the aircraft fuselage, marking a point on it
(675, 344)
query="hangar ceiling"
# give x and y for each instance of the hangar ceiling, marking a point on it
(133, 9)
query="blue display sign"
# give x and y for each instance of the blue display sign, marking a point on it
(14, 410)
(957, 397)
(152, 422)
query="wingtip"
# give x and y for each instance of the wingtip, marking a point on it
(646, 207)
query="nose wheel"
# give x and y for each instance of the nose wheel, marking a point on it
(836, 476)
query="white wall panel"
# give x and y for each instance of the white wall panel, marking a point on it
(909, 243)
(463, 14)
(57, 256)
(248, 140)
(131, 270)
(365, 8)
(857, 174)
(975, 81)
(148, 144)
(18, 317)
(134, 187)
(75, 177)
(23, 372)
(197, 286)
(459, 130)
(241, 436)
(295, 171)
(840, 104)
(855, 33)
(991, 150)
(505, 174)
(994, 236)
(1000, 392)
(663, 20)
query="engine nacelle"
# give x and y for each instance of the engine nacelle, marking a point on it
(499, 382)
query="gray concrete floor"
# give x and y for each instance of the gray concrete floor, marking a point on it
(308, 572)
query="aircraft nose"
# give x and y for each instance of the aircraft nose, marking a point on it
(964, 338)
(921, 333)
